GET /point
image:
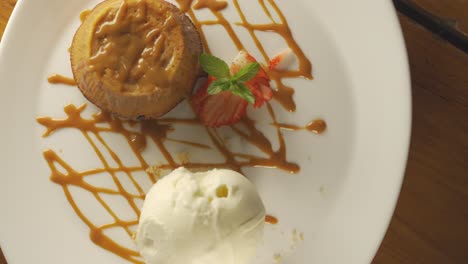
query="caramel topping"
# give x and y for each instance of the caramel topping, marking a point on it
(214, 5)
(185, 5)
(133, 48)
(60, 79)
(284, 93)
(271, 220)
(158, 131)
(116, 37)
(317, 126)
(84, 14)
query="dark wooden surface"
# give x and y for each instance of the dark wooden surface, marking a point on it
(453, 12)
(6, 6)
(430, 225)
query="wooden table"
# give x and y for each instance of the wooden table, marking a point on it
(430, 224)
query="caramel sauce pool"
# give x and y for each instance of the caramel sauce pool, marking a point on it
(158, 131)
(143, 37)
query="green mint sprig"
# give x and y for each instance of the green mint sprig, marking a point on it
(224, 81)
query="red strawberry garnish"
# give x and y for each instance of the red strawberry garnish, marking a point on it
(220, 109)
(226, 108)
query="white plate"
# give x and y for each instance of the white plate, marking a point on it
(344, 196)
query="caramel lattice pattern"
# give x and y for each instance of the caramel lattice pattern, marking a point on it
(138, 135)
(279, 27)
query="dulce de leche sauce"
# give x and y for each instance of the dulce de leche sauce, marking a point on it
(136, 57)
(115, 54)
(134, 49)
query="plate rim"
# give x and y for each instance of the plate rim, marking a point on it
(406, 106)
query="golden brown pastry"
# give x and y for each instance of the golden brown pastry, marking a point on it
(136, 58)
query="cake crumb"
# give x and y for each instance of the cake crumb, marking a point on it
(277, 258)
(322, 190)
(156, 171)
(294, 236)
(184, 157)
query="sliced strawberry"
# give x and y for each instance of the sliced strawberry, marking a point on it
(263, 93)
(260, 84)
(201, 94)
(225, 108)
(283, 60)
(274, 62)
(220, 109)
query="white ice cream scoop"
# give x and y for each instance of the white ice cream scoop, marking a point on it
(201, 218)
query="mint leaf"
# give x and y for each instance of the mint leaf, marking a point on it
(214, 66)
(247, 73)
(218, 86)
(217, 68)
(243, 91)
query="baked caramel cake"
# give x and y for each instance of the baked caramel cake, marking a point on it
(136, 58)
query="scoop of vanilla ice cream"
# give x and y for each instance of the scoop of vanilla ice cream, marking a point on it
(201, 218)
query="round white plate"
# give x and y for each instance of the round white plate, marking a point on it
(341, 200)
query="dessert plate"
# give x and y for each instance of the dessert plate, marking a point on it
(334, 209)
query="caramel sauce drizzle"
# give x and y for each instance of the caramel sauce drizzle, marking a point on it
(212, 4)
(317, 126)
(158, 131)
(283, 94)
(145, 61)
(60, 79)
(271, 220)
(84, 14)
